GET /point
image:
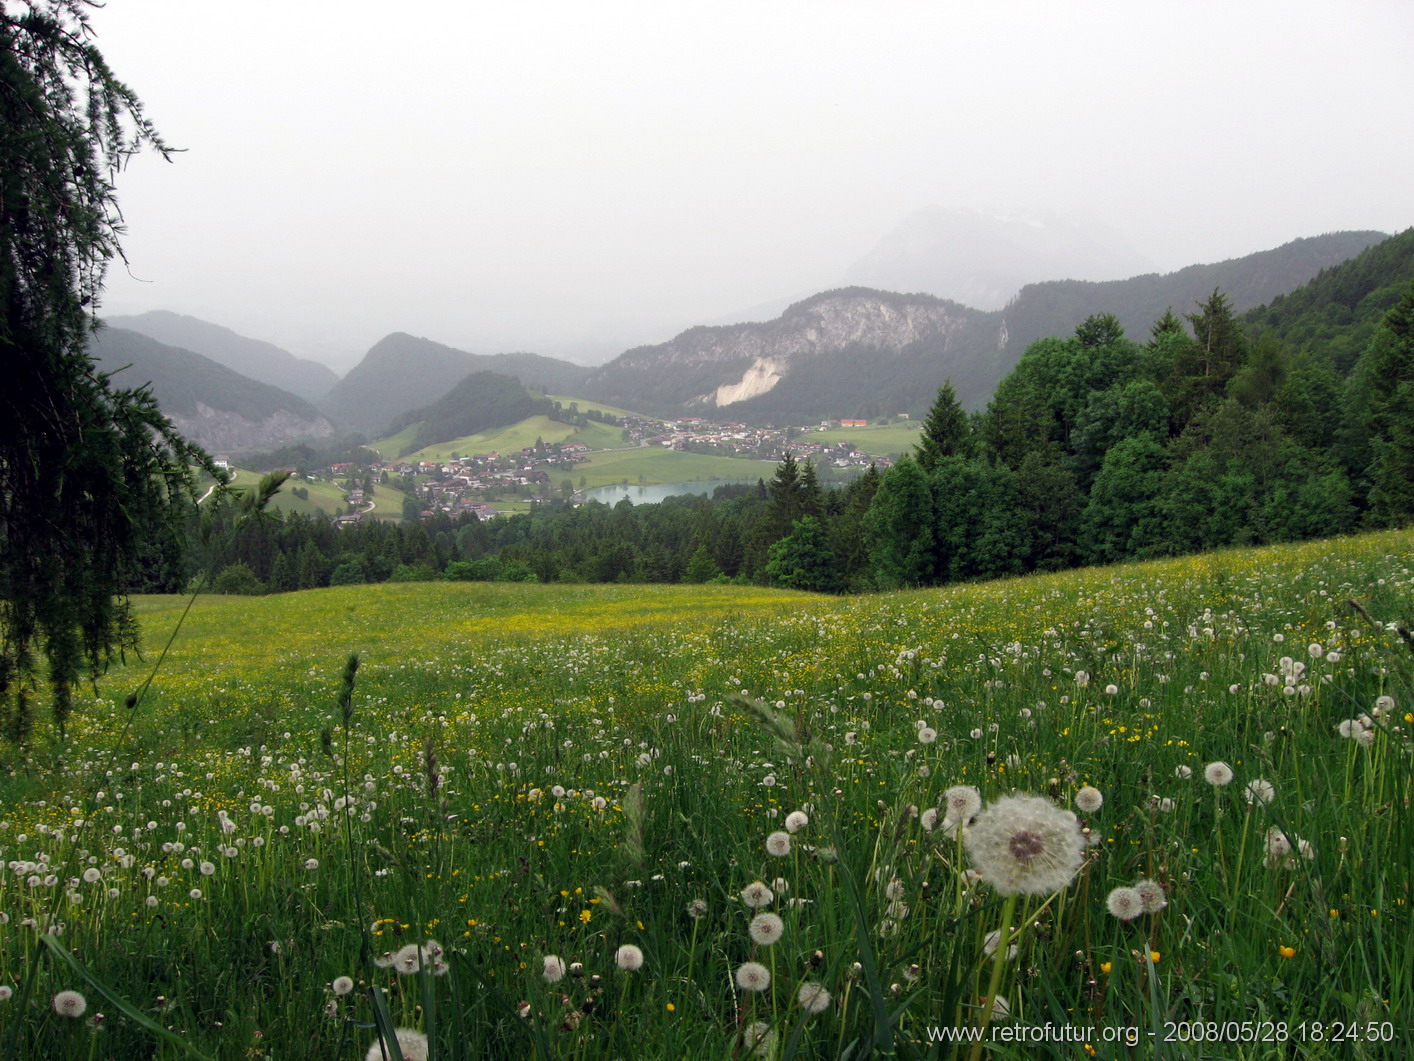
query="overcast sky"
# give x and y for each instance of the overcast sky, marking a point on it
(576, 177)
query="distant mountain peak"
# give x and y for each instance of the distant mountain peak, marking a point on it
(982, 259)
(259, 360)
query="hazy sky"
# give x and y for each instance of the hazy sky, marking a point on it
(577, 177)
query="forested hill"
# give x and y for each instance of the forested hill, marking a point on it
(261, 361)
(1336, 314)
(857, 352)
(1201, 432)
(403, 372)
(483, 401)
(212, 405)
(1057, 307)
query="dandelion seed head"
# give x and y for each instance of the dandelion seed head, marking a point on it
(1217, 774)
(778, 844)
(342, 985)
(629, 957)
(812, 997)
(553, 969)
(753, 976)
(1089, 799)
(1023, 845)
(796, 820)
(1125, 903)
(1260, 791)
(962, 802)
(413, 1045)
(757, 895)
(70, 1004)
(1151, 894)
(766, 929)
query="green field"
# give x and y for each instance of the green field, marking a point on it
(505, 440)
(525, 777)
(657, 465)
(880, 440)
(324, 496)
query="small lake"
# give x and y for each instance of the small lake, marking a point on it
(651, 495)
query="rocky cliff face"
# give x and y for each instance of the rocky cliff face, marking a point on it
(223, 431)
(715, 368)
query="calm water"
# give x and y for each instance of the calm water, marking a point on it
(651, 495)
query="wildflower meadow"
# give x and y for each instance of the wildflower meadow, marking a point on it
(1159, 810)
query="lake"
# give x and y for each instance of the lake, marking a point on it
(651, 495)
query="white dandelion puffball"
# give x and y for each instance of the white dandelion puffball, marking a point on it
(1023, 845)
(1089, 799)
(757, 895)
(927, 735)
(766, 929)
(753, 976)
(70, 1004)
(412, 1043)
(812, 997)
(962, 802)
(1260, 791)
(1125, 903)
(929, 819)
(1151, 893)
(778, 844)
(554, 969)
(342, 985)
(796, 820)
(629, 957)
(1217, 774)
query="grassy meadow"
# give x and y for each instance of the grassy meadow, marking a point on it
(882, 439)
(728, 822)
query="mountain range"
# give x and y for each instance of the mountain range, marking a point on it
(250, 357)
(860, 352)
(214, 406)
(850, 352)
(403, 372)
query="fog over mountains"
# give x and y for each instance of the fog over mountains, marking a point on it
(857, 351)
(983, 260)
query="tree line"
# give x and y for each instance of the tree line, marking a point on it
(1095, 449)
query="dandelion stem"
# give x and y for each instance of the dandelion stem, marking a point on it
(998, 965)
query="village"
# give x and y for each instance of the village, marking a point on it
(476, 483)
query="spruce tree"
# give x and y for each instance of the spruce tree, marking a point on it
(90, 473)
(944, 429)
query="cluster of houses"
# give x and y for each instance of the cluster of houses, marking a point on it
(762, 443)
(471, 483)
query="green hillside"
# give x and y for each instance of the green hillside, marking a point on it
(880, 439)
(1211, 752)
(510, 439)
